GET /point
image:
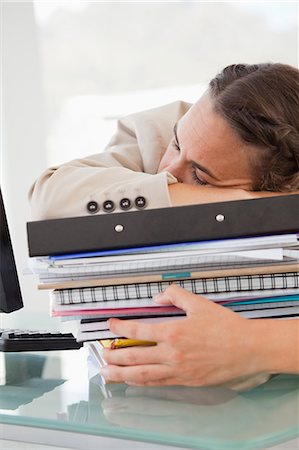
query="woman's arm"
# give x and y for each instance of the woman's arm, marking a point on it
(66, 190)
(213, 345)
(126, 169)
(276, 344)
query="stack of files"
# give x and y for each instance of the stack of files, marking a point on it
(257, 277)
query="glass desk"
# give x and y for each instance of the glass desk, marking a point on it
(51, 392)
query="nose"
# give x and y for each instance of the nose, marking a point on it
(176, 170)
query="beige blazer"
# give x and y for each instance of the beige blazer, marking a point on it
(126, 169)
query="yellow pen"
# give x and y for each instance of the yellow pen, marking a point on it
(122, 343)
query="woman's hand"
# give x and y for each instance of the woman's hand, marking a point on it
(211, 346)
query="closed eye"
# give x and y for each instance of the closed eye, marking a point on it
(197, 179)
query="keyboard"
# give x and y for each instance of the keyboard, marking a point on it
(29, 340)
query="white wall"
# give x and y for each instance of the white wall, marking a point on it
(23, 154)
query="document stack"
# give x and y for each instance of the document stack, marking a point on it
(256, 275)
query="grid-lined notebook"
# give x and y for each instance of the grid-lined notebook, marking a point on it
(245, 284)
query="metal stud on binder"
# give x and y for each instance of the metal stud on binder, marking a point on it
(118, 228)
(220, 217)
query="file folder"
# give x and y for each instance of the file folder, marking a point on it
(209, 221)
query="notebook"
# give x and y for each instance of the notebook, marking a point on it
(250, 284)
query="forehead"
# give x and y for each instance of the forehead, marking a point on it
(203, 127)
(206, 137)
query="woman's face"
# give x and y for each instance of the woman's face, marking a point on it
(206, 151)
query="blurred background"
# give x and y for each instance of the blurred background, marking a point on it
(70, 69)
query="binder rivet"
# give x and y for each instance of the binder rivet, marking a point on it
(220, 217)
(118, 228)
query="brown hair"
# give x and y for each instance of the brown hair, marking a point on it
(261, 103)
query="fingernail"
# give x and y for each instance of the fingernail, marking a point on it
(109, 323)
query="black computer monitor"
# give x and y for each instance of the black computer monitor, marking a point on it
(10, 293)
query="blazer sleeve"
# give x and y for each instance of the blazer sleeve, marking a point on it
(126, 169)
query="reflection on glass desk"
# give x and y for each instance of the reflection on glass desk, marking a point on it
(51, 390)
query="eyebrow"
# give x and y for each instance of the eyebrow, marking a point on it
(199, 166)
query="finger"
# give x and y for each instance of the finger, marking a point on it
(134, 330)
(180, 298)
(135, 374)
(134, 356)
